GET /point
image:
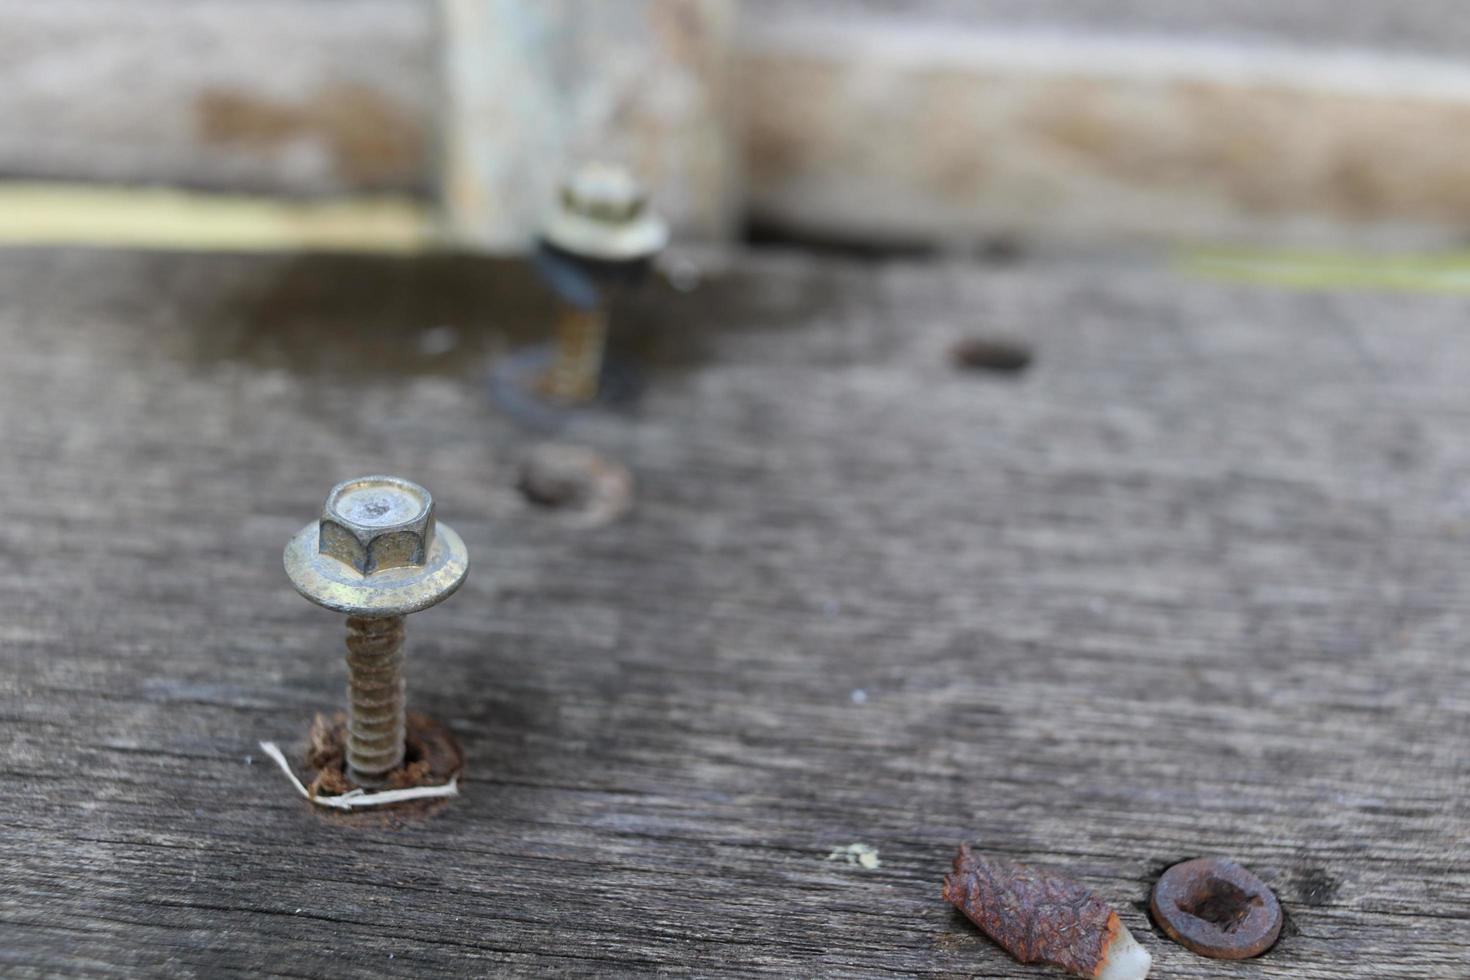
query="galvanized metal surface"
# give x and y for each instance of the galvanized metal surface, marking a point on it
(376, 553)
(602, 213)
(350, 564)
(376, 718)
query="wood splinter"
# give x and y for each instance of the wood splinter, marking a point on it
(1039, 917)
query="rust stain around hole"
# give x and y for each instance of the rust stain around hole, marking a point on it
(371, 138)
(432, 757)
(586, 488)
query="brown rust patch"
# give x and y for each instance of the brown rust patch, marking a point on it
(433, 757)
(371, 139)
(1035, 916)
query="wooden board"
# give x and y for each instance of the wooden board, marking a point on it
(906, 120)
(319, 99)
(1194, 584)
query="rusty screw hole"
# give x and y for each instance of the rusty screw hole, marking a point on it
(588, 490)
(431, 756)
(551, 488)
(991, 354)
(1219, 902)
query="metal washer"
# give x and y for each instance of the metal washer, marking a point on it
(389, 592)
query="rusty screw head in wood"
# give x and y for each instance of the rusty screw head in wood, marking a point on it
(376, 554)
(1216, 908)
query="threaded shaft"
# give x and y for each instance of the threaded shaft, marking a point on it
(375, 717)
(581, 336)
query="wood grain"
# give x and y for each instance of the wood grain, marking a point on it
(319, 99)
(1196, 583)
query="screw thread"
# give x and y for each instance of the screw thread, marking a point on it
(375, 713)
(581, 336)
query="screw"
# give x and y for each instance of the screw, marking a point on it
(376, 554)
(581, 343)
(601, 235)
(1216, 908)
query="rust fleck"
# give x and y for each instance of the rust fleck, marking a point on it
(1037, 916)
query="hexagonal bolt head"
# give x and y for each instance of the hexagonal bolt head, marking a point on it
(604, 193)
(376, 523)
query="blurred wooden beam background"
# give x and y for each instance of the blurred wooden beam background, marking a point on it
(924, 121)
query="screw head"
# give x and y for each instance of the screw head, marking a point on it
(604, 193)
(602, 214)
(377, 550)
(1216, 908)
(377, 522)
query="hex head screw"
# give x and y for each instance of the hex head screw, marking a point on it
(376, 554)
(601, 235)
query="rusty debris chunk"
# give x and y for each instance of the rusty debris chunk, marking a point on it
(1039, 917)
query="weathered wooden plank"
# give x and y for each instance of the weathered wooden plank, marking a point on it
(274, 95)
(1193, 584)
(920, 120)
(918, 132)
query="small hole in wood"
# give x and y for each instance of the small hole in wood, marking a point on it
(553, 489)
(582, 487)
(991, 354)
